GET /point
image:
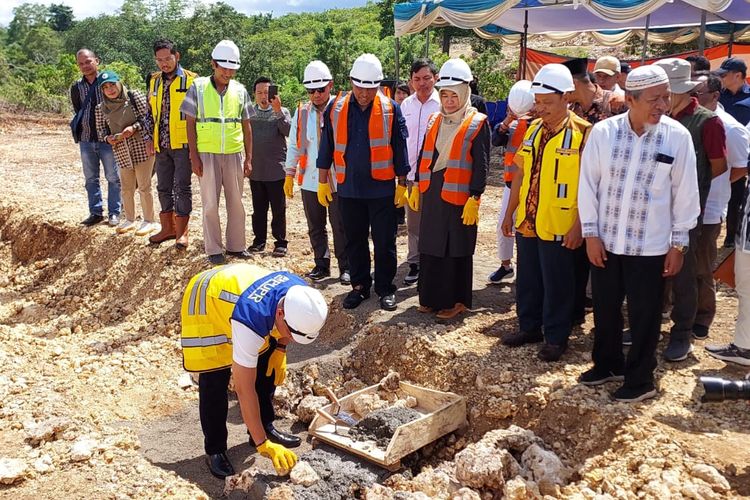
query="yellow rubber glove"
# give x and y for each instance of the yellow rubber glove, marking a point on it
(400, 199)
(277, 366)
(283, 459)
(325, 197)
(289, 186)
(414, 198)
(470, 214)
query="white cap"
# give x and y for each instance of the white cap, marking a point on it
(454, 72)
(678, 72)
(305, 312)
(367, 72)
(552, 78)
(646, 76)
(317, 75)
(520, 98)
(226, 54)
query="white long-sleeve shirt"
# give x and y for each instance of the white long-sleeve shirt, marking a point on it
(314, 126)
(638, 194)
(738, 147)
(417, 115)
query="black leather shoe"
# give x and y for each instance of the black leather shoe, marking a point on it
(219, 465)
(319, 273)
(217, 259)
(282, 438)
(257, 248)
(520, 338)
(243, 254)
(355, 298)
(92, 220)
(388, 302)
(551, 352)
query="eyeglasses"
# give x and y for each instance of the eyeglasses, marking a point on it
(319, 91)
(297, 332)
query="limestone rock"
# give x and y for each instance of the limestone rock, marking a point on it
(184, 382)
(519, 489)
(46, 430)
(513, 438)
(545, 468)
(12, 470)
(353, 385)
(82, 449)
(304, 475)
(378, 492)
(481, 465)
(306, 410)
(43, 464)
(466, 494)
(710, 475)
(364, 404)
(283, 492)
(390, 382)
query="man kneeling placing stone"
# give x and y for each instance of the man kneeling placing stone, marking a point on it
(237, 320)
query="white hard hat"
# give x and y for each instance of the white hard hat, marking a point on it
(520, 98)
(305, 312)
(226, 54)
(317, 75)
(454, 72)
(552, 78)
(367, 72)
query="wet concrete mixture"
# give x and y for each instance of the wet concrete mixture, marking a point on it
(381, 425)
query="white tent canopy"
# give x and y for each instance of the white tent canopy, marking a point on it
(609, 20)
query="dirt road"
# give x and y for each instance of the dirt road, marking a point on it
(89, 326)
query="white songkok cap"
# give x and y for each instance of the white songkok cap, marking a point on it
(646, 76)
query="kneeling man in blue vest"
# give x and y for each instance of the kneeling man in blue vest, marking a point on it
(237, 320)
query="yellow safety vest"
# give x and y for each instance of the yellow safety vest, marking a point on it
(207, 306)
(219, 118)
(177, 90)
(558, 183)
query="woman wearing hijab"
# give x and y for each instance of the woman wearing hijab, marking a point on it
(452, 173)
(120, 119)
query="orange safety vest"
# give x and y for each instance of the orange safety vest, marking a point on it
(460, 163)
(380, 127)
(303, 112)
(517, 131)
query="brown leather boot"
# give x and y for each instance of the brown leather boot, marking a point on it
(167, 228)
(181, 229)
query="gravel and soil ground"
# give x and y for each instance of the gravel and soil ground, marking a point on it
(94, 402)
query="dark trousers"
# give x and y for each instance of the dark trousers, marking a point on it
(685, 291)
(267, 193)
(705, 255)
(317, 230)
(733, 208)
(545, 286)
(360, 216)
(173, 181)
(214, 402)
(640, 280)
(581, 282)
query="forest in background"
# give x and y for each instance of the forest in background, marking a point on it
(37, 48)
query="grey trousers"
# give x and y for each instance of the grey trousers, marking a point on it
(318, 232)
(222, 170)
(412, 229)
(705, 253)
(173, 181)
(685, 291)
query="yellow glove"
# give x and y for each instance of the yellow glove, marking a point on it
(470, 214)
(325, 197)
(277, 366)
(414, 198)
(400, 199)
(283, 459)
(289, 186)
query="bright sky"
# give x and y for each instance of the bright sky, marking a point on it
(88, 8)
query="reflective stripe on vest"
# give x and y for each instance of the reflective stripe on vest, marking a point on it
(303, 114)
(207, 306)
(557, 207)
(379, 130)
(517, 131)
(177, 91)
(219, 118)
(460, 163)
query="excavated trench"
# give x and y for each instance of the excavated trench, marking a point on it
(106, 299)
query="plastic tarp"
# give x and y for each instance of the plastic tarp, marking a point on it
(611, 21)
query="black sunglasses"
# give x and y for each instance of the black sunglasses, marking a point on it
(297, 332)
(312, 91)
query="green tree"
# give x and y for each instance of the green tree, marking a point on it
(60, 17)
(42, 45)
(25, 17)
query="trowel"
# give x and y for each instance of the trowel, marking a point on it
(345, 417)
(339, 426)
